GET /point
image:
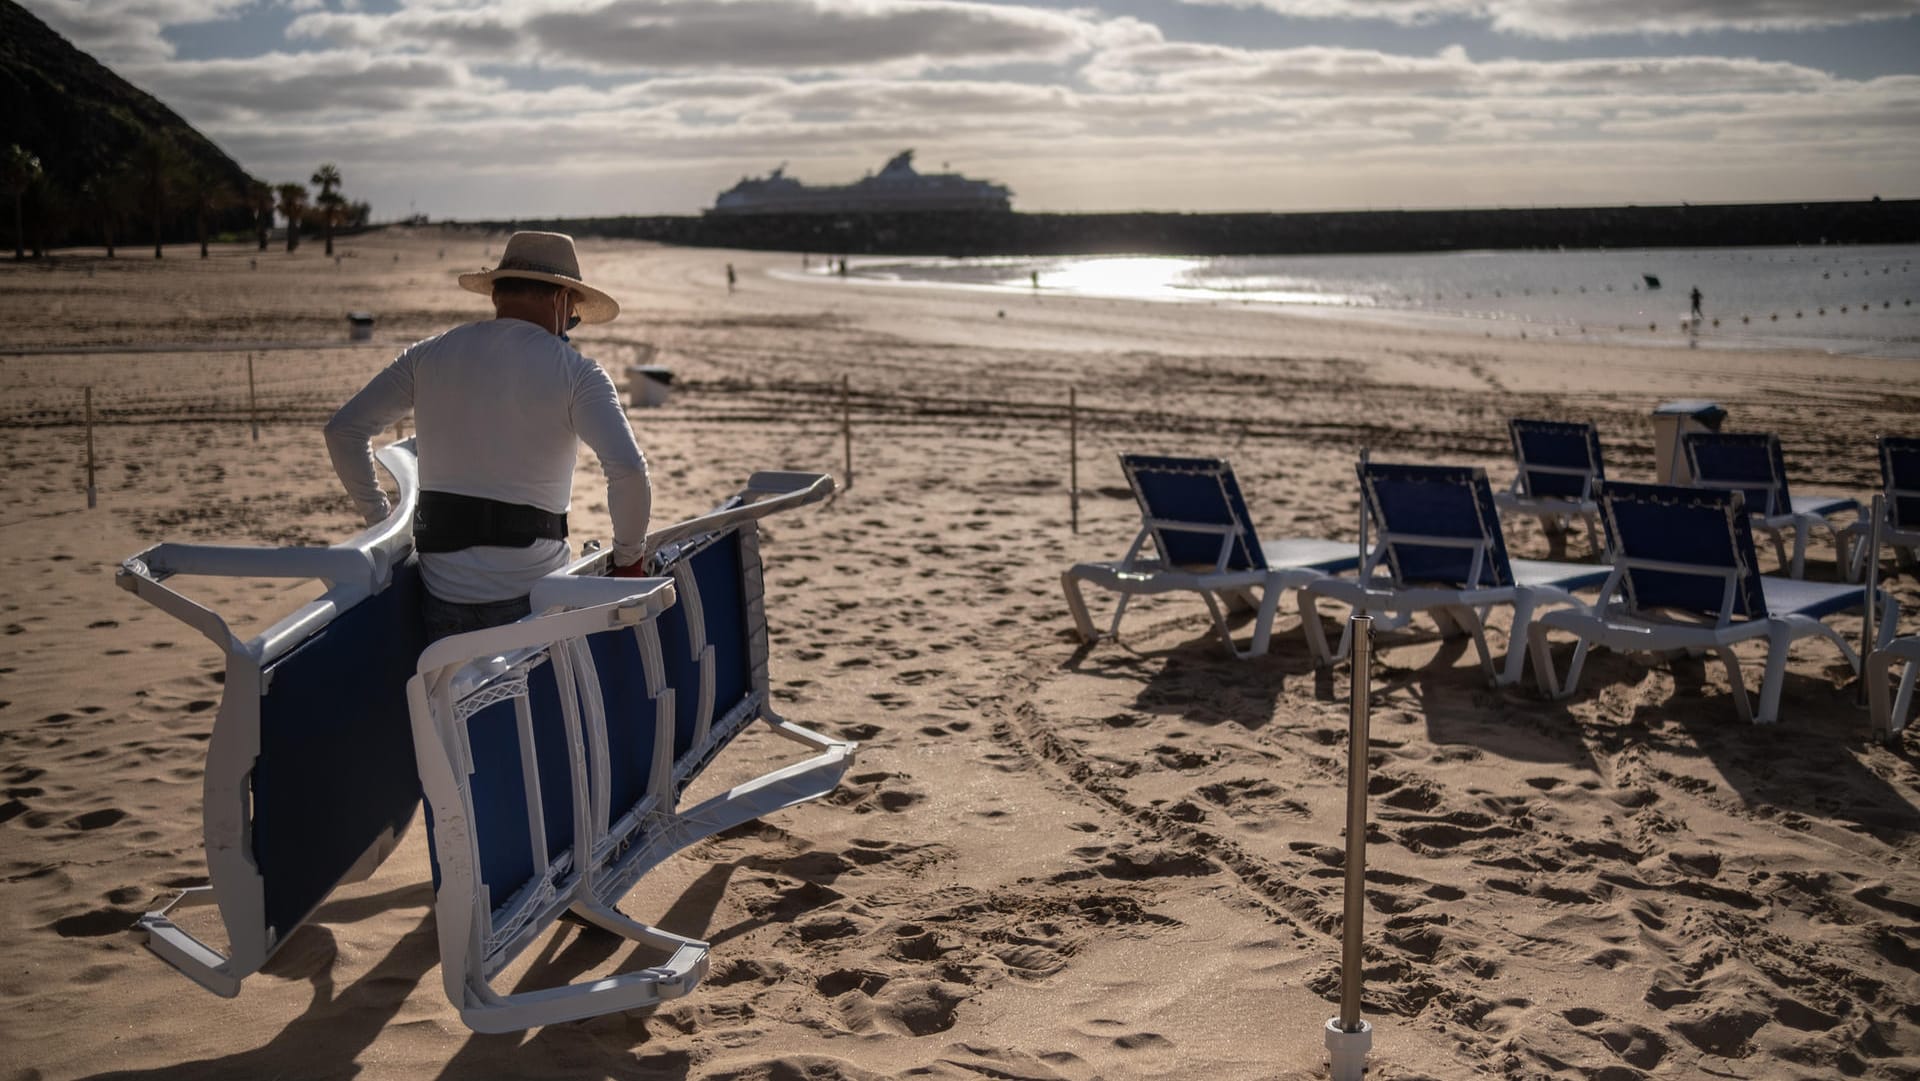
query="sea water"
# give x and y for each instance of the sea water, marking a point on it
(1843, 300)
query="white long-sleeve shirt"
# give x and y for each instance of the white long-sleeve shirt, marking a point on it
(499, 407)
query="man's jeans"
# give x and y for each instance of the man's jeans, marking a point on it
(445, 617)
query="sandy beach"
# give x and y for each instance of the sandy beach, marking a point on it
(1051, 860)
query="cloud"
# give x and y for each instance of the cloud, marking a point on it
(676, 35)
(1564, 19)
(299, 85)
(121, 31)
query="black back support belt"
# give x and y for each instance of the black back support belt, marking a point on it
(446, 522)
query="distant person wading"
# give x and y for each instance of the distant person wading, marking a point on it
(499, 407)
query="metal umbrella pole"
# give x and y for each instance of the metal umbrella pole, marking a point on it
(1349, 1037)
(1869, 633)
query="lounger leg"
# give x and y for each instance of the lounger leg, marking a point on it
(1449, 626)
(1801, 527)
(1076, 604)
(1515, 668)
(1310, 626)
(1469, 619)
(1888, 717)
(1738, 683)
(1542, 653)
(1779, 643)
(1263, 621)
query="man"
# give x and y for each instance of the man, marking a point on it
(499, 407)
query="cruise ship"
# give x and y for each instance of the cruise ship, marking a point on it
(897, 187)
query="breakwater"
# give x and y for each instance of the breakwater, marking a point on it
(968, 233)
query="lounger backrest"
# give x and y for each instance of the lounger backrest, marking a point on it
(1900, 476)
(716, 644)
(334, 774)
(1750, 463)
(1683, 549)
(1438, 524)
(1189, 506)
(1557, 459)
(524, 759)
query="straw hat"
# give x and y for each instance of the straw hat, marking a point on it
(545, 257)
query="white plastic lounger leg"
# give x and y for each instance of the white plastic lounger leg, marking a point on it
(1470, 620)
(1802, 526)
(1890, 717)
(1541, 653)
(1309, 606)
(1515, 667)
(1779, 643)
(1741, 703)
(1077, 604)
(1263, 621)
(200, 962)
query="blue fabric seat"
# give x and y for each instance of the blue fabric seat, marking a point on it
(1685, 577)
(1203, 541)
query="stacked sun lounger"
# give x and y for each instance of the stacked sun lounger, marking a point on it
(554, 753)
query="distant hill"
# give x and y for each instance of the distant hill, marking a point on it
(86, 123)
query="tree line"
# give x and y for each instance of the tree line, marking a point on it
(153, 190)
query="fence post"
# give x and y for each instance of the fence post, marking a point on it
(846, 423)
(1348, 1037)
(1073, 455)
(92, 497)
(253, 407)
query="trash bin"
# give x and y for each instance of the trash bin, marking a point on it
(359, 326)
(647, 385)
(1671, 422)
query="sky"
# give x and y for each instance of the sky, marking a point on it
(532, 108)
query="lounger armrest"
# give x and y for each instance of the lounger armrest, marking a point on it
(339, 566)
(641, 599)
(814, 486)
(195, 959)
(680, 974)
(782, 491)
(586, 591)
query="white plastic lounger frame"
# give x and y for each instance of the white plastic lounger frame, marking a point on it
(1685, 578)
(712, 569)
(1891, 717)
(1900, 514)
(1752, 463)
(255, 922)
(1558, 463)
(476, 940)
(1193, 512)
(1443, 553)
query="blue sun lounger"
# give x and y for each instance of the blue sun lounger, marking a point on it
(282, 827)
(1204, 542)
(1685, 578)
(312, 775)
(555, 759)
(1558, 465)
(1900, 518)
(1752, 464)
(1442, 552)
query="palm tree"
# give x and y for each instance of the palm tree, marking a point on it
(19, 168)
(328, 179)
(293, 206)
(260, 202)
(157, 164)
(106, 197)
(207, 193)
